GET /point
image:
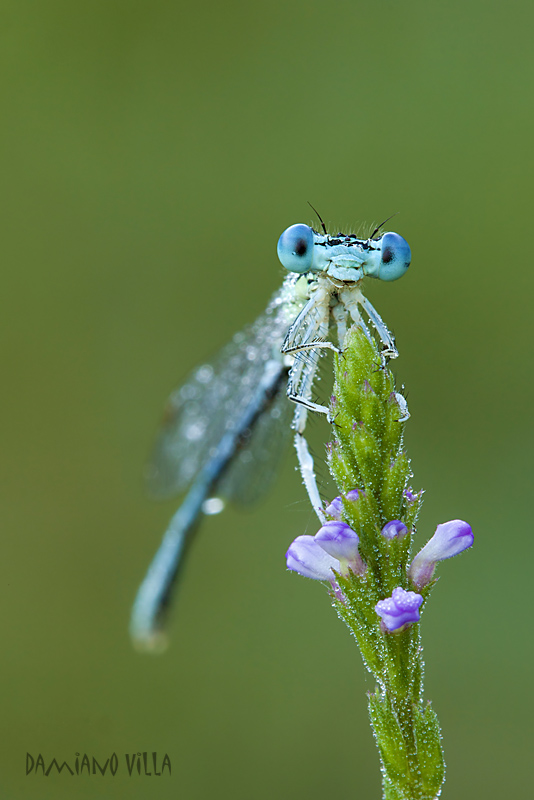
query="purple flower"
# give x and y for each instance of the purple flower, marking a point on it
(399, 610)
(334, 546)
(449, 539)
(336, 506)
(308, 558)
(394, 529)
(341, 542)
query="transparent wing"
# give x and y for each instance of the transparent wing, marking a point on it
(254, 466)
(212, 403)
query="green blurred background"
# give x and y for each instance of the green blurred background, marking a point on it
(152, 153)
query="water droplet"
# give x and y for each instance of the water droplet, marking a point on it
(213, 505)
(196, 431)
(204, 374)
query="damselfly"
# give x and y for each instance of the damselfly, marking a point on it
(222, 426)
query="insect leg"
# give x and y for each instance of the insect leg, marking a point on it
(307, 472)
(298, 348)
(300, 386)
(304, 339)
(385, 336)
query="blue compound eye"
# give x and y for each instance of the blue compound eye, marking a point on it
(395, 258)
(295, 248)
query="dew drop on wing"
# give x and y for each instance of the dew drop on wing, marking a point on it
(213, 505)
(204, 374)
(196, 431)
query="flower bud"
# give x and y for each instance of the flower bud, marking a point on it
(394, 529)
(336, 506)
(399, 610)
(449, 539)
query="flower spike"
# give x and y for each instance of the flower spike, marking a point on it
(363, 552)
